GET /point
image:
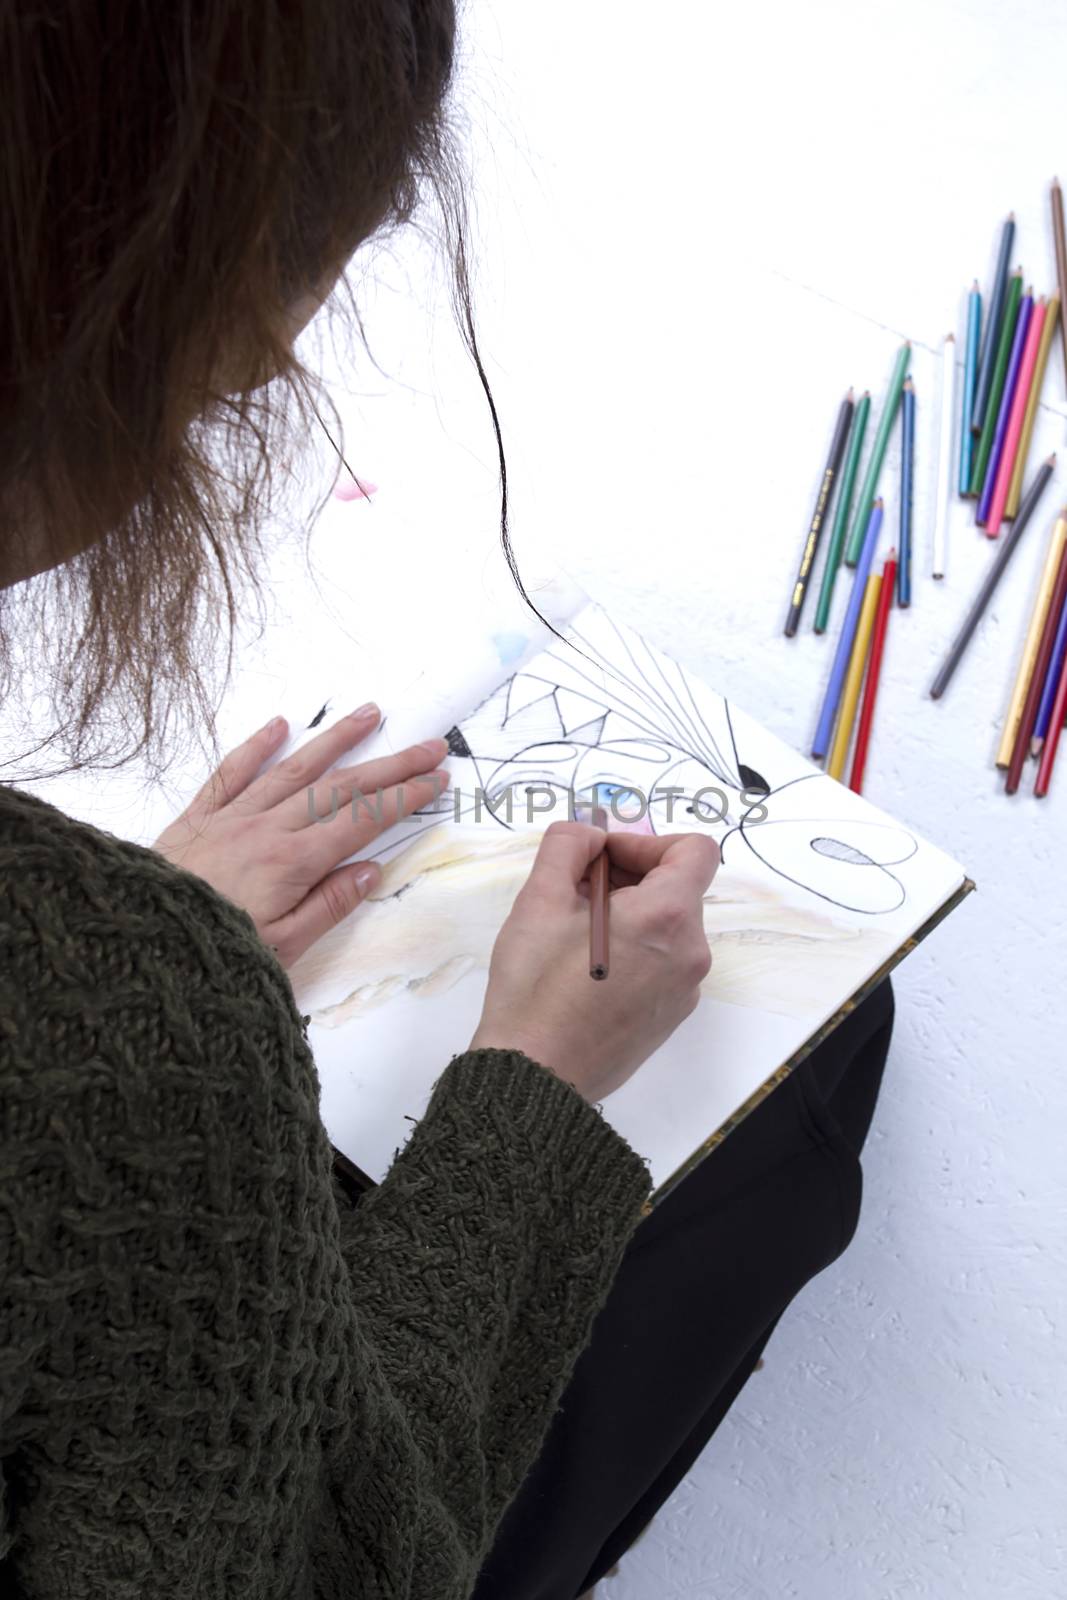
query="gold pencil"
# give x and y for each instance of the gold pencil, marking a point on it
(857, 663)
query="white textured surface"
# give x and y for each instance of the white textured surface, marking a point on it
(697, 227)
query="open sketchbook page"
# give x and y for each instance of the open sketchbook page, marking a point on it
(817, 892)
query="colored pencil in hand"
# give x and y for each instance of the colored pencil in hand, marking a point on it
(1048, 328)
(843, 653)
(1050, 686)
(857, 664)
(998, 500)
(599, 884)
(944, 455)
(874, 669)
(1048, 754)
(970, 380)
(991, 331)
(874, 466)
(907, 473)
(1061, 260)
(835, 549)
(831, 472)
(1037, 679)
(1000, 373)
(1020, 340)
(1000, 561)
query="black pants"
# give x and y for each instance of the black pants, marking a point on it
(699, 1291)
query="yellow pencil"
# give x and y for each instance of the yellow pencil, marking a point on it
(857, 662)
(1016, 488)
(1033, 639)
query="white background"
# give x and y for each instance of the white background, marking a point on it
(696, 226)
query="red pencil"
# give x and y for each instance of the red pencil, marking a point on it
(1037, 681)
(1052, 738)
(874, 666)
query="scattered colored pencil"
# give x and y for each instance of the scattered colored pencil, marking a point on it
(874, 466)
(998, 500)
(874, 669)
(1033, 634)
(991, 331)
(1019, 341)
(1048, 754)
(857, 665)
(848, 633)
(1000, 561)
(1000, 372)
(944, 455)
(1061, 260)
(830, 476)
(836, 547)
(1037, 679)
(1051, 684)
(1048, 328)
(907, 473)
(970, 380)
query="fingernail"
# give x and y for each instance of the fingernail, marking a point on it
(369, 710)
(438, 747)
(274, 727)
(366, 878)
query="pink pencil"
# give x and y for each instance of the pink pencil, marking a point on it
(1015, 420)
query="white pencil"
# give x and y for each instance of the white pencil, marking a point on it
(944, 454)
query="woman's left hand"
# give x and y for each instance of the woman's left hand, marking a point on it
(257, 841)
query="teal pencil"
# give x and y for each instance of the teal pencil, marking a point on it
(874, 466)
(844, 506)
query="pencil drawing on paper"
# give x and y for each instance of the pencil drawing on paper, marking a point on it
(804, 865)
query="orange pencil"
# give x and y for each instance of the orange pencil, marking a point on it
(870, 694)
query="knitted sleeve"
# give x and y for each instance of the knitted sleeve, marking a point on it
(510, 1205)
(216, 1376)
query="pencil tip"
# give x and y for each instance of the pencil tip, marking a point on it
(950, 338)
(1011, 216)
(974, 286)
(1052, 459)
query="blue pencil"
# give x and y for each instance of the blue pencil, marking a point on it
(970, 380)
(1052, 681)
(828, 715)
(907, 461)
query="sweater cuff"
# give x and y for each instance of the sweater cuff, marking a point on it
(551, 1123)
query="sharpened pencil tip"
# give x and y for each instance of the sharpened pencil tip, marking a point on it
(974, 286)
(1051, 462)
(1011, 216)
(950, 338)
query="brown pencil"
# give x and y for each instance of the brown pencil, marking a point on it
(599, 883)
(1061, 260)
(1037, 681)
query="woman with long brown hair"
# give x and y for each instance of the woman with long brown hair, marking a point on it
(222, 1372)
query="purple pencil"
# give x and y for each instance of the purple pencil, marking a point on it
(1015, 362)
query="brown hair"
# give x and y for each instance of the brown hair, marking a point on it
(172, 177)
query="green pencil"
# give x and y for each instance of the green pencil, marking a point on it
(984, 448)
(837, 536)
(874, 466)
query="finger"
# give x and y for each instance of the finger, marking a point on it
(566, 852)
(367, 778)
(236, 771)
(322, 908)
(293, 775)
(685, 868)
(356, 825)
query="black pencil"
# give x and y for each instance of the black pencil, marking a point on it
(991, 331)
(992, 578)
(822, 507)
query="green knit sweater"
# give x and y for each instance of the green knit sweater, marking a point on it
(218, 1378)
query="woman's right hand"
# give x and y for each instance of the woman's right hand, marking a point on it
(541, 999)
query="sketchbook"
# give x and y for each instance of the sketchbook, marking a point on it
(818, 896)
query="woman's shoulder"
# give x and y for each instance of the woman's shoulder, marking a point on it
(78, 901)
